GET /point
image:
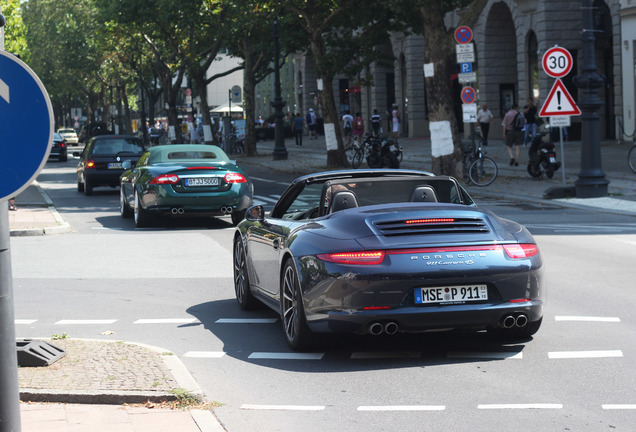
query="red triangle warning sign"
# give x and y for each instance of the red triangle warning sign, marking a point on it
(559, 102)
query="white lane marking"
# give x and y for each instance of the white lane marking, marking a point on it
(269, 180)
(494, 355)
(584, 354)
(204, 354)
(587, 318)
(165, 321)
(25, 321)
(107, 228)
(520, 406)
(246, 320)
(283, 407)
(286, 356)
(403, 408)
(74, 322)
(384, 355)
(619, 406)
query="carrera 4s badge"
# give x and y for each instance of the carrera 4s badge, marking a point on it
(449, 259)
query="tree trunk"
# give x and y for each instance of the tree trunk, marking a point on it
(204, 108)
(249, 88)
(440, 51)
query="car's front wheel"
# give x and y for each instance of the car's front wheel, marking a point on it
(142, 219)
(292, 312)
(124, 210)
(242, 290)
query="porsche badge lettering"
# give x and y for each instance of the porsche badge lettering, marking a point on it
(449, 259)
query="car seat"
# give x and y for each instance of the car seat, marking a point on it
(343, 200)
(423, 194)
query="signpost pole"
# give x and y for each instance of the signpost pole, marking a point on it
(9, 387)
(562, 154)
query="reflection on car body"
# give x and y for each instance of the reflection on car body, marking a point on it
(386, 251)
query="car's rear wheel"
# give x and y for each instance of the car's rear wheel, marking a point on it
(292, 312)
(88, 188)
(124, 210)
(242, 290)
(142, 219)
(80, 186)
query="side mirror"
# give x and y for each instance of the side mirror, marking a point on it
(127, 164)
(255, 213)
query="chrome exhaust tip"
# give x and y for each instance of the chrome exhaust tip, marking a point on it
(181, 210)
(376, 329)
(226, 209)
(521, 321)
(508, 321)
(174, 210)
(391, 328)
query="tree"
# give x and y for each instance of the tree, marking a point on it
(14, 30)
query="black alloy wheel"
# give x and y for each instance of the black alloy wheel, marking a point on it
(242, 290)
(295, 326)
(142, 219)
(124, 210)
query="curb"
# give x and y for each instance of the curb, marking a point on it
(61, 226)
(205, 420)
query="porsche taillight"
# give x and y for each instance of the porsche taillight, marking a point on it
(522, 250)
(90, 163)
(354, 258)
(165, 179)
(235, 178)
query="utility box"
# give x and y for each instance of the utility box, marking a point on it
(37, 353)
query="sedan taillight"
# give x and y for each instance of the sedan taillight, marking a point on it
(235, 178)
(90, 163)
(165, 179)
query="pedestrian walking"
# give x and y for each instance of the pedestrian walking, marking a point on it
(12, 205)
(376, 120)
(530, 113)
(298, 129)
(311, 124)
(347, 124)
(358, 126)
(395, 122)
(483, 117)
(513, 123)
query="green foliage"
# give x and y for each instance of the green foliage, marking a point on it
(14, 31)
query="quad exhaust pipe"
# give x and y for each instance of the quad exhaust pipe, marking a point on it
(389, 328)
(226, 209)
(177, 210)
(518, 320)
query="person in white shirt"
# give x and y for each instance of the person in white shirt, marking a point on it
(483, 117)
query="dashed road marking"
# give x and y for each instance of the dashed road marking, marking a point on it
(246, 320)
(493, 355)
(619, 406)
(165, 321)
(25, 321)
(79, 322)
(384, 355)
(403, 408)
(584, 354)
(283, 407)
(204, 354)
(520, 406)
(286, 356)
(587, 318)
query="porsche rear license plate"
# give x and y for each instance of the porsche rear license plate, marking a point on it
(114, 165)
(204, 181)
(451, 294)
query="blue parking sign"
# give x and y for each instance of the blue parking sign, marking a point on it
(466, 67)
(26, 122)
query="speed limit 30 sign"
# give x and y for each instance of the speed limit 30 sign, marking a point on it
(557, 62)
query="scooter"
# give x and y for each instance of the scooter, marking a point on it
(542, 157)
(382, 153)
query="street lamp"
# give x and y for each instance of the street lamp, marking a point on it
(591, 182)
(280, 152)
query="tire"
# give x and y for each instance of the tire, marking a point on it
(549, 172)
(516, 333)
(483, 172)
(88, 188)
(631, 159)
(390, 161)
(124, 210)
(80, 186)
(534, 172)
(399, 155)
(242, 290)
(358, 156)
(63, 158)
(292, 312)
(468, 159)
(237, 216)
(142, 219)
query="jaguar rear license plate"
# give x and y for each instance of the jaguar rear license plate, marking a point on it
(203, 181)
(451, 294)
(114, 165)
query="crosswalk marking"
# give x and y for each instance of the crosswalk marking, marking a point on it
(246, 320)
(286, 356)
(204, 354)
(520, 406)
(584, 354)
(494, 355)
(403, 408)
(368, 355)
(25, 321)
(587, 318)
(619, 406)
(283, 407)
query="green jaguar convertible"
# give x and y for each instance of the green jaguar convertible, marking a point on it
(183, 180)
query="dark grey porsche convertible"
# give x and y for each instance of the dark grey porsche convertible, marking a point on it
(387, 251)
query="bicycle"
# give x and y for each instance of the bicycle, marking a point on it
(236, 145)
(351, 149)
(479, 169)
(631, 158)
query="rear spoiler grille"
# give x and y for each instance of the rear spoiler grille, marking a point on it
(432, 226)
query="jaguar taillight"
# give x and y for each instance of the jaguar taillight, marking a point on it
(165, 179)
(235, 178)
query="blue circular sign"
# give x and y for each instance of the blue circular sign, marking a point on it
(26, 122)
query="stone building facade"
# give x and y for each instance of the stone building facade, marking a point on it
(510, 38)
